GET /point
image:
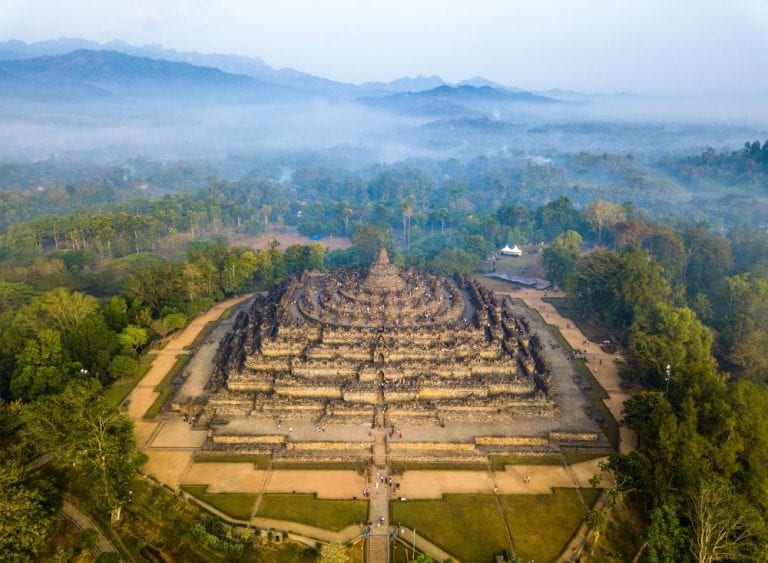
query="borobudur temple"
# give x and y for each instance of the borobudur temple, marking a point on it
(451, 371)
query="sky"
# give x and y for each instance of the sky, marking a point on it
(646, 47)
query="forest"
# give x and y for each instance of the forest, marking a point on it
(99, 263)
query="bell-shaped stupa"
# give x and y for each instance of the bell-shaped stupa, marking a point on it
(383, 276)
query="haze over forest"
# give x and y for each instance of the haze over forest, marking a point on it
(78, 98)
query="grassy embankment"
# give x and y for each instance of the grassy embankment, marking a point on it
(470, 527)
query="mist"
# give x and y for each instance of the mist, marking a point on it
(209, 129)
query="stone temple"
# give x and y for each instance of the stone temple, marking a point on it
(450, 371)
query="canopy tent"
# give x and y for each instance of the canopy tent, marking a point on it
(514, 251)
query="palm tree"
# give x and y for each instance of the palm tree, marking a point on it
(407, 213)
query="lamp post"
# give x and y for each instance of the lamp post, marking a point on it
(669, 372)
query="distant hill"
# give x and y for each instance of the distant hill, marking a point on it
(407, 84)
(112, 74)
(238, 64)
(479, 81)
(453, 101)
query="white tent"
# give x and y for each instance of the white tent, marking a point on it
(514, 251)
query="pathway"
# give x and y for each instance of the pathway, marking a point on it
(378, 542)
(84, 522)
(143, 395)
(602, 364)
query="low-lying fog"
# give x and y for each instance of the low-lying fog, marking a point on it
(210, 129)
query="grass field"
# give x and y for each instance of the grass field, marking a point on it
(258, 461)
(570, 457)
(468, 527)
(236, 505)
(308, 509)
(542, 525)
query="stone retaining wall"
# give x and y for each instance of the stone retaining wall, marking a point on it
(573, 436)
(430, 446)
(510, 441)
(247, 439)
(328, 446)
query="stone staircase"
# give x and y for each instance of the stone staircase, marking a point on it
(378, 541)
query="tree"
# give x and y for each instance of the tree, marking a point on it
(133, 338)
(450, 261)
(24, 517)
(602, 215)
(300, 257)
(115, 313)
(644, 412)
(81, 430)
(60, 308)
(749, 402)
(560, 258)
(596, 522)
(42, 367)
(667, 335)
(724, 526)
(122, 366)
(667, 538)
(334, 553)
(708, 260)
(155, 286)
(369, 239)
(92, 343)
(557, 217)
(669, 249)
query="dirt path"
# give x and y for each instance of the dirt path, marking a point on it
(602, 364)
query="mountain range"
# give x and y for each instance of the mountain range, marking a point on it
(38, 72)
(253, 67)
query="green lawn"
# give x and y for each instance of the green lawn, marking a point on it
(542, 525)
(470, 526)
(121, 388)
(236, 505)
(571, 457)
(258, 461)
(308, 509)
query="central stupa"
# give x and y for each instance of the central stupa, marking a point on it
(383, 276)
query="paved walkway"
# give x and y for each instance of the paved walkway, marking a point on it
(170, 444)
(602, 364)
(378, 542)
(143, 395)
(84, 522)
